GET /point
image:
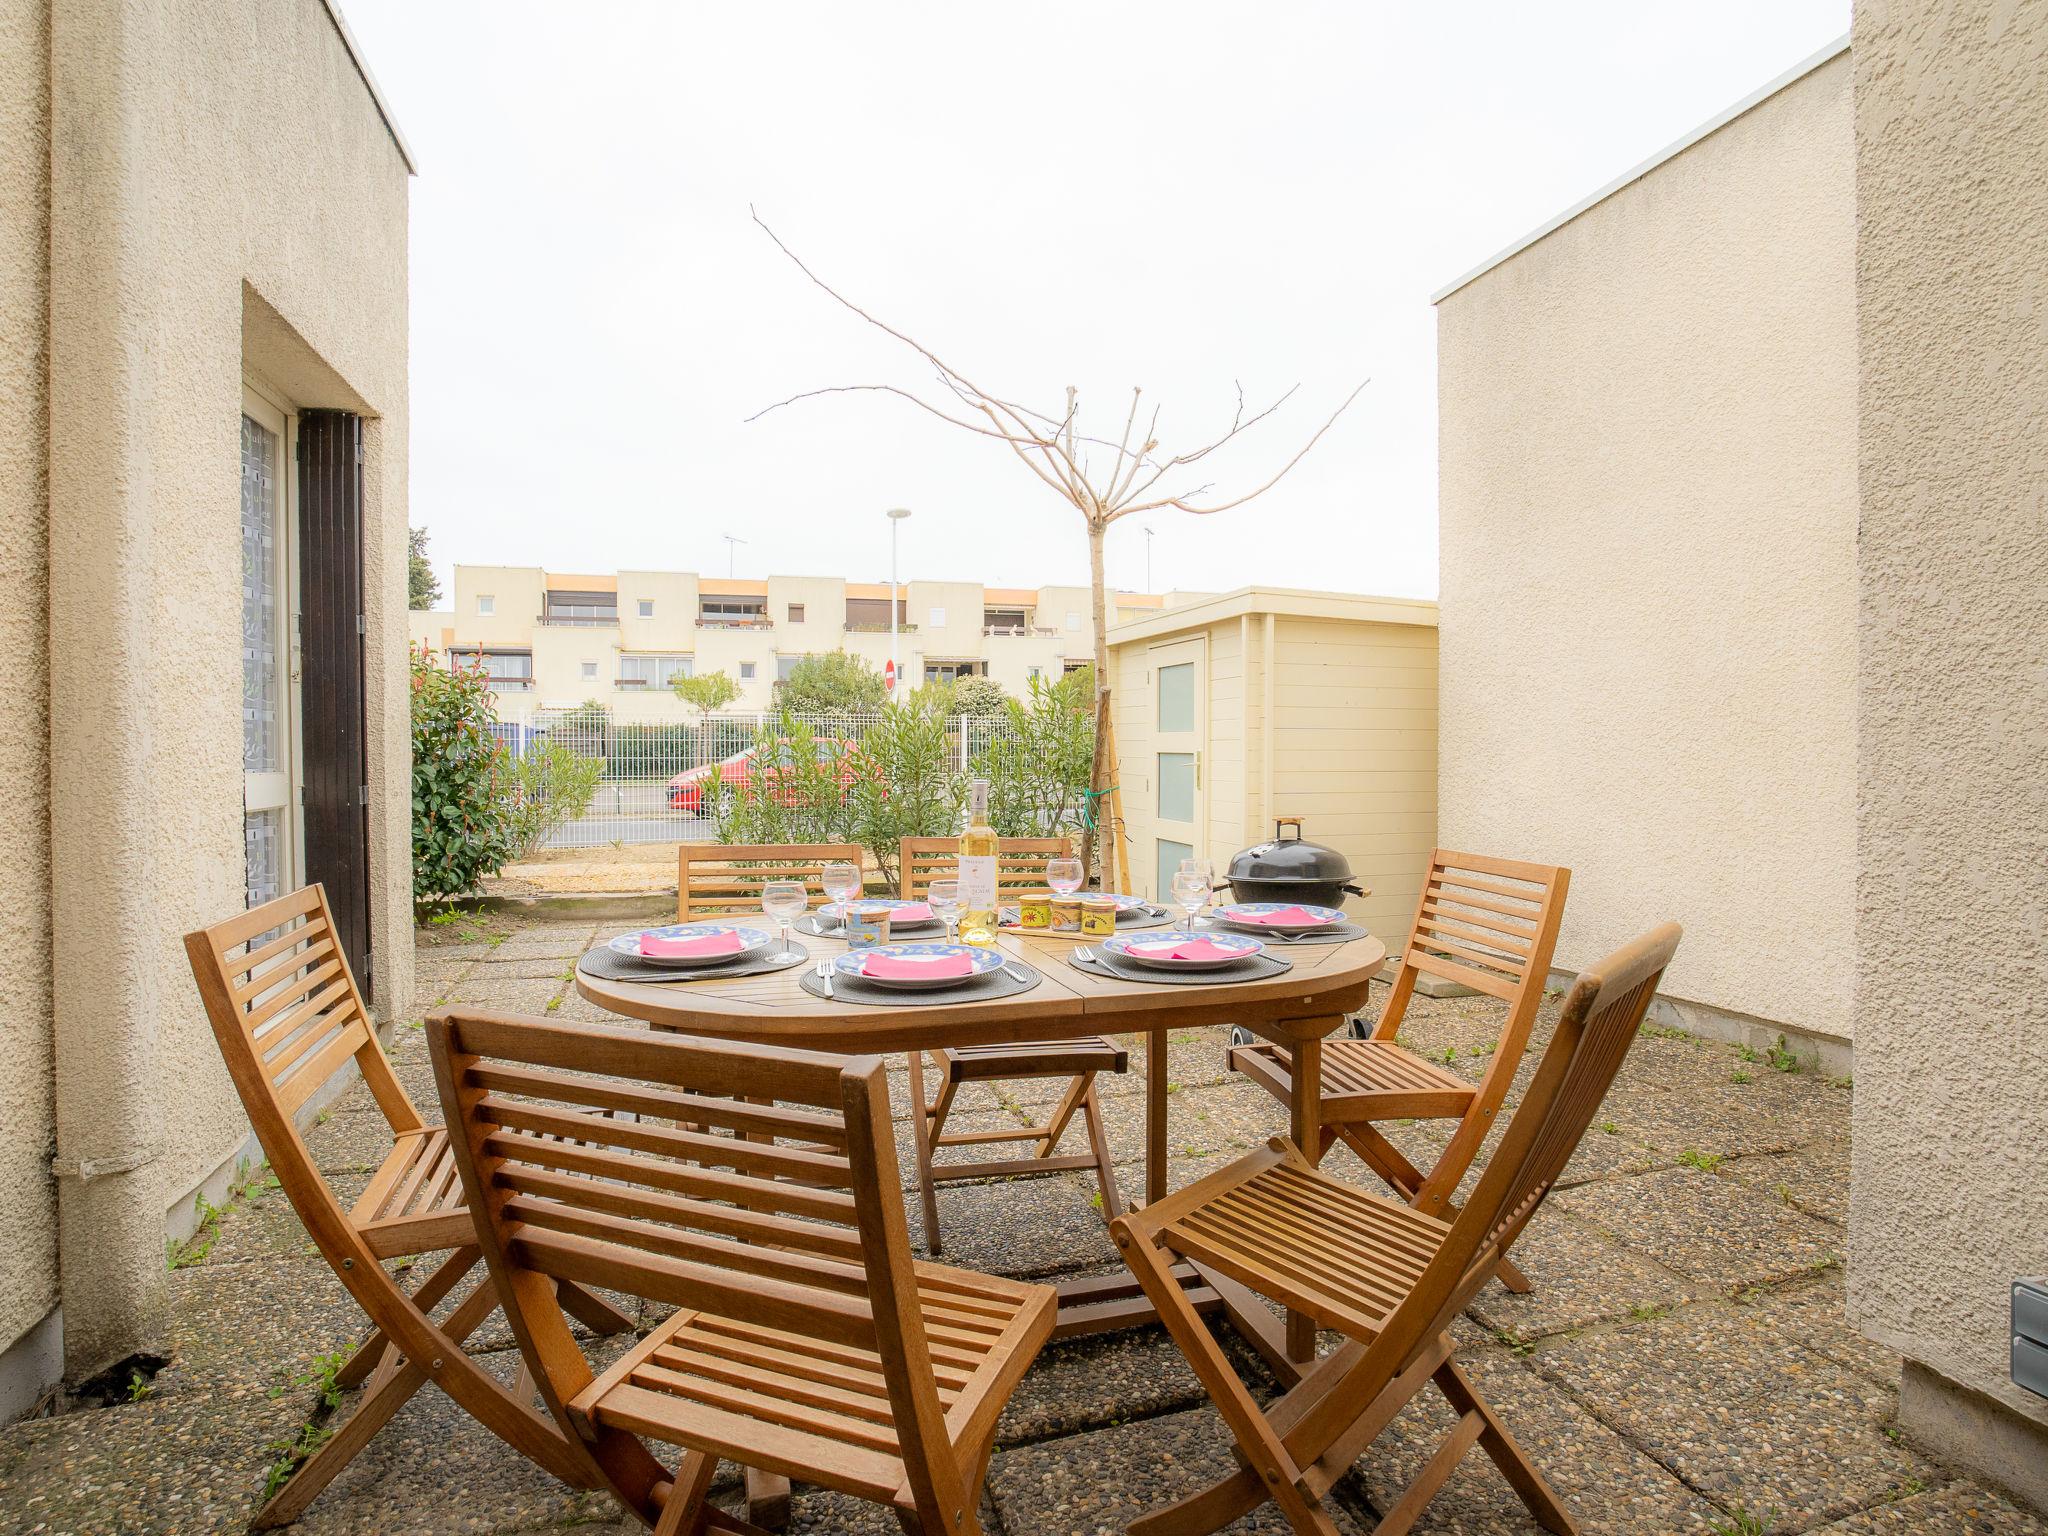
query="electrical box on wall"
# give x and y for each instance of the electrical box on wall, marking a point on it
(2030, 1334)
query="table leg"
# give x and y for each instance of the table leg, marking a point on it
(1304, 1126)
(1155, 1115)
(767, 1499)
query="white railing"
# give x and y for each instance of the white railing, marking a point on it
(638, 799)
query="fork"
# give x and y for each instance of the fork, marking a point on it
(823, 971)
(1085, 955)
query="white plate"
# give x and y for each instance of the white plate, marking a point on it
(1236, 915)
(1131, 947)
(986, 962)
(752, 941)
(833, 910)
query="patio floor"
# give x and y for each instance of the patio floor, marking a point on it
(1683, 1363)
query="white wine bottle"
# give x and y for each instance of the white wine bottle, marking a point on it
(978, 848)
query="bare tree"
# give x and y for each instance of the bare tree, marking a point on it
(1132, 477)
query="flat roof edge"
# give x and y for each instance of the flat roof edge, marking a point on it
(362, 63)
(1670, 151)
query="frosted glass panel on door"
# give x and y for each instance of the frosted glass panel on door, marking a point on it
(1176, 786)
(265, 855)
(1177, 697)
(262, 678)
(1170, 855)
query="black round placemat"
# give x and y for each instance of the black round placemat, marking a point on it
(1336, 933)
(978, 989)
(607, 966)
(1258, 968)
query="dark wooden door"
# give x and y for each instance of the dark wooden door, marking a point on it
(333, 681)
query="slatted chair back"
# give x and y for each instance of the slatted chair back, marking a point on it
(721, 879)
(1600, 1019)
(756, 1184)
(287, 1016)
(1020, 863)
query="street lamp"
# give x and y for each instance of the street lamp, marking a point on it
(896, 516)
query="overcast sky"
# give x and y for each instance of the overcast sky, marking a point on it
(1176, 196)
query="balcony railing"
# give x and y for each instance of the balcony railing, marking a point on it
(865, 628)
(1037, 631)
(734, 621)
(600, 620)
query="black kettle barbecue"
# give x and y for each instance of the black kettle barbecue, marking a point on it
(1288, 867)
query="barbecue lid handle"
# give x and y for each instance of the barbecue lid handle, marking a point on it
(1280, 822)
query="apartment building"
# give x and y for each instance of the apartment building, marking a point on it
(553, 640)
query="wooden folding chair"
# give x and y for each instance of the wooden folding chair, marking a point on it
(1389, 1277)
(755, 1190)
(287, 1015)
(1020, 871)
(1489, 924)
(725, 879)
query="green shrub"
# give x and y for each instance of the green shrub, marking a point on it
(1038, 771)
(795, 790)
(980, 698)
(549, 788)
(835, 683)
(461, 815)
(909, 787)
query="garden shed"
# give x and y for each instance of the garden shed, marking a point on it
(1266, 702)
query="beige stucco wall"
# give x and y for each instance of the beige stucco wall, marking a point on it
(224, 198)
(28, 1197)
(1950, 1195)
(1648, 513)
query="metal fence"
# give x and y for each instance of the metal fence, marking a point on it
(642, 793)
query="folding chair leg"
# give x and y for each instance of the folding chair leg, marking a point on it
(1063, 1113)
(599, 1315)
(1261, 1447)
(362, 1359)
(1098, 1143)
(1545, 1507)
(921, 1142)
(321, 1468)
(683, 1513)
(1385, 1159)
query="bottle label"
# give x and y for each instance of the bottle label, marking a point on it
(978, 883)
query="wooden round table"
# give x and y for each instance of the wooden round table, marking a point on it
(1297, 1008)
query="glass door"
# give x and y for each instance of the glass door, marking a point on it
(271, 826)
(1180, 690)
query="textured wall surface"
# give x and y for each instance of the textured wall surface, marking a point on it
(28, 1200)
(1647, 497)
(1950, 1192)
(224, 196)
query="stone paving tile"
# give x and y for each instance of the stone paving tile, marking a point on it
(1605, 1154)
(1021, 1227)
(1815, 1313)
(1608, 1484)
(1813, 1179)
(256, 1326)
(559, 940)
(517, 968)
(481, 988)
(1095, 1485)
(434, 1471)
(1580, 1276)
(179, 1464)
(1716, 1231)
(1750, 1417)
(1087, 1383)
(1962, 1508)
(355, 1137)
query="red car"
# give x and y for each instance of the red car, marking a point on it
(687, 789)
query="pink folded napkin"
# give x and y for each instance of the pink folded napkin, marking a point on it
(1190, 949)
(1286, 917)
(726, 943)
(908, 968)
(915, 912)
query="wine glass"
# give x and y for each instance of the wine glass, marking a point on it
(784, 900)
(1063, 875)
(842, 884)
(944, 897)
(1191, 889)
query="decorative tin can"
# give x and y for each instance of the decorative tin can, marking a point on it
(1064, 914)
(1098, 918)
(866, 928)
(1034, 912)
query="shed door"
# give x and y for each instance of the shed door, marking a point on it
(332, 637)
(1180, 724)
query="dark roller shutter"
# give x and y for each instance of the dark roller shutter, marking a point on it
(332, 689)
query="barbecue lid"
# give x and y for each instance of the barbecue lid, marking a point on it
(1289, 856)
